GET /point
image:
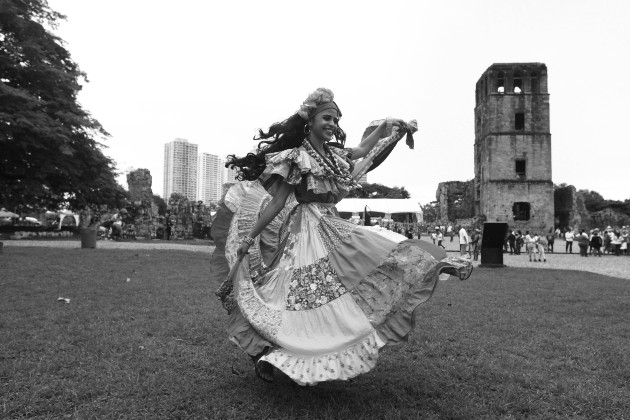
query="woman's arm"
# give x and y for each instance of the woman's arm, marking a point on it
(274, 207)
(370, 141)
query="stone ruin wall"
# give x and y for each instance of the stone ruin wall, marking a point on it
(188, 218)
(455, 202)
(143, 213)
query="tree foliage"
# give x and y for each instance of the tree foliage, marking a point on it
(379, 191)
(594, 201)
(50, 155)
(161, 204)
(431, 212)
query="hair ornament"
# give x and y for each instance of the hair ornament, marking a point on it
(319, 97)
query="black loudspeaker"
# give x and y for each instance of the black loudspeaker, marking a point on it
(492, 240)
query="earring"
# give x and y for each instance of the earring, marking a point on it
(307, 129)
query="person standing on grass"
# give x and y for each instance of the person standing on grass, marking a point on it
(583, 242)
(596, 243)
(512, 242)
(475, 242)
(440, 239)
(464, 241)
(624, 241)
(529, 244)
(608, 248)
(519, 242)
(568, 237)
(550, 240)
(542, 245)
(616, 243)
(304, 287)
(534, 236)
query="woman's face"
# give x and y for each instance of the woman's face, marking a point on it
(324, 125)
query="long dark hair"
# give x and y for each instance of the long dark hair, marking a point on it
(284, 135)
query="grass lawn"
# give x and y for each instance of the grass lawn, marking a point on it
(507, 343)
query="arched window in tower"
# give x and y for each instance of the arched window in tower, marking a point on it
(501, 82)
(533, 82)
(517, 82)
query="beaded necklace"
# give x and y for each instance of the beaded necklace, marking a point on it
(329, 165)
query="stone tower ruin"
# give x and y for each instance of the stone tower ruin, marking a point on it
(512, 181)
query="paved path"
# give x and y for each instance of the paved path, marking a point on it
(607, 265)
(113, 245)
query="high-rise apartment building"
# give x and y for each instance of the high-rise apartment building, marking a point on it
(180, 169)
(230, 175)
(211, 178)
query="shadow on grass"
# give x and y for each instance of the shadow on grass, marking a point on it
(506, 343)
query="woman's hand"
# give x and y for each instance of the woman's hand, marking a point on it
(402, 125)
(242, 249)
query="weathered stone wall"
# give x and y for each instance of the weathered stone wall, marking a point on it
(499, 199)
(498, 155)
(139, 182)
(498, 114)
(188, 218)
(455, 200)
(143, 213)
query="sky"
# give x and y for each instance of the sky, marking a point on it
(214, 72)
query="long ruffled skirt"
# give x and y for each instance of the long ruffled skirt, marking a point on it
(324, 294)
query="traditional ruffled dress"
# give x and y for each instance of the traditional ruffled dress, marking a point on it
(323, 293)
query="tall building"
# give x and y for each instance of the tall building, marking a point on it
(513, 147)
(211, 178)
(180, 169)
(230, 175)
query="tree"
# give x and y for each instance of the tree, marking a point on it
(160, 203)
(50, 156)
(379, 191)
(593, 201)
(431, 212)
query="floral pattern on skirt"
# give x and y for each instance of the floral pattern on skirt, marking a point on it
(313, 285)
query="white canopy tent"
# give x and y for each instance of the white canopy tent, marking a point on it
(388, 206)
(381, 205)
(62, 215)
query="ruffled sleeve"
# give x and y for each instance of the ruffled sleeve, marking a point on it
(297, 167)
(290, 164)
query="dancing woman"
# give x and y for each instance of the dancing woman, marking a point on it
(308, 292)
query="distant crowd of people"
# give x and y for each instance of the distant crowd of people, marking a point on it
(594, 242)
(609, 241)
(537, 246)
